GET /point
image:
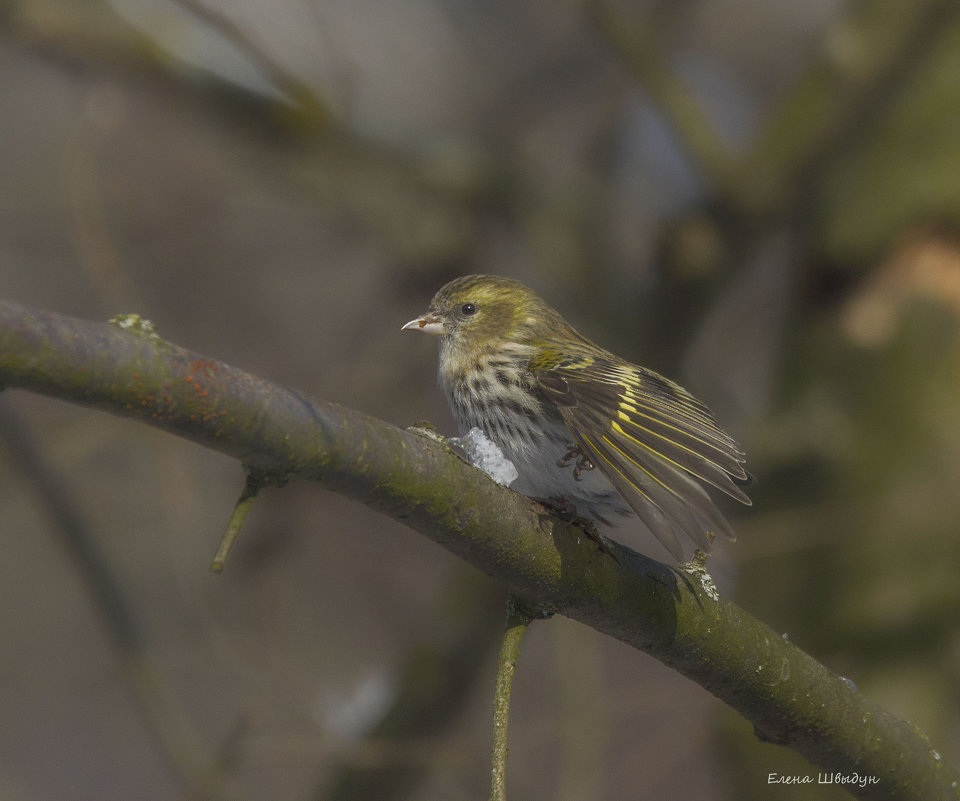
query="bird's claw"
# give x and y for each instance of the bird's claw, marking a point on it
(583, 461)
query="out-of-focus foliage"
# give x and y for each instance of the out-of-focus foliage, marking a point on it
(898, 175)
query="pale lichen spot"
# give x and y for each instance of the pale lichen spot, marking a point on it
(428, 431)
(698, 571)
(136, 324)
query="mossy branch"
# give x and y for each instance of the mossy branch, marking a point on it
(673, 615)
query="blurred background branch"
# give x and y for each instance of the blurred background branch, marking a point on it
(636, 43)
(869, 58)
(302, 96)
(161, 711)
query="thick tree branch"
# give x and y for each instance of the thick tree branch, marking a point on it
(674, 615)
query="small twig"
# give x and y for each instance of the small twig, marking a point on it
(518, 618)
(256, 481)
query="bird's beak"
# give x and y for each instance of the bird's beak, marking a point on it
(429, 323)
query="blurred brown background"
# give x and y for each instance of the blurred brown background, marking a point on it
(760, 199)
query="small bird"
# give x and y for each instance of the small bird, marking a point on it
(583, 427)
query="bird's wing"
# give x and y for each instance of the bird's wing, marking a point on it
(651, 438)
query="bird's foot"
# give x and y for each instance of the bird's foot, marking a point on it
(583, 461)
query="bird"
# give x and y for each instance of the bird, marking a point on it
(587, 431)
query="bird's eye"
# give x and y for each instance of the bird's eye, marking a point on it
(468, 308)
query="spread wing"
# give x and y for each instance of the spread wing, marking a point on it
(652, 439)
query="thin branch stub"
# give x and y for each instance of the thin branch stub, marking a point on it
(256, 480)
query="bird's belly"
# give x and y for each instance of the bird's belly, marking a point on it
(591, 491)
(534, 438)
(547, 469)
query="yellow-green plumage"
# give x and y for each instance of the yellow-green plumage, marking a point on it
(578, 422)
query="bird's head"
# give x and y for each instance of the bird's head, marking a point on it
(482, 313)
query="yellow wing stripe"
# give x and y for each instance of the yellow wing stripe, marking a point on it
(616, 467)
(689, 412)
(619, 429)
(623, 415)
(633, 461)
(632, 382)
(665, 423)
(548, 360)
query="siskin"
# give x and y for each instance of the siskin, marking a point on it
(583, 427)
